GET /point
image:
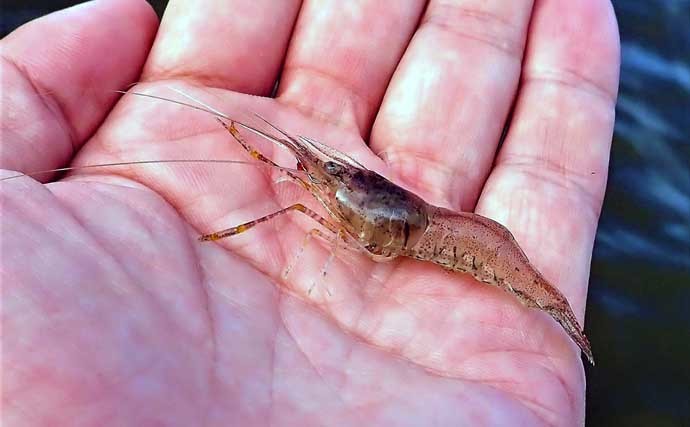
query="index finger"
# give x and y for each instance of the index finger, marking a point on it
(237, 44)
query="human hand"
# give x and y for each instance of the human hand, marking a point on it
(113, 313)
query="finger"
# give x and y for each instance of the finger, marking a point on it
(549, 180)
(51, 65)
(443, 113)
(237, 45)
(341, 58)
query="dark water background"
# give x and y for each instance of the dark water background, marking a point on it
(638, 312)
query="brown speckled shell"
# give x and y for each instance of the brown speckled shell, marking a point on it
(477, 245)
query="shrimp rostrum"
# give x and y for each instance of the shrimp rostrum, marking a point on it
(387, 221)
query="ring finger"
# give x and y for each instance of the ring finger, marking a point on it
(444, 111)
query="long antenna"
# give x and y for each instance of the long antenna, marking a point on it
(144, 162)
(185, 104)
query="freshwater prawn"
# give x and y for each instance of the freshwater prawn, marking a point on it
(371, 214)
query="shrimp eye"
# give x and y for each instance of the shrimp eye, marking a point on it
(332, 168)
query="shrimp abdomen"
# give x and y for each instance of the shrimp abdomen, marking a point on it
(470, 243)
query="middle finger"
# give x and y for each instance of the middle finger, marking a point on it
(342, 55)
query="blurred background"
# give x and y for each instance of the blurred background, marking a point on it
(638, 312)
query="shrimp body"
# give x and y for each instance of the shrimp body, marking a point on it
(388, 221)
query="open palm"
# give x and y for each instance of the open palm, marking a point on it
(114, 314)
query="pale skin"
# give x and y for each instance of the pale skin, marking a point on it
(113, 311)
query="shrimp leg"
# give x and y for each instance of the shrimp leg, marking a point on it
(232, 231)
(313, 232)
(329, 260)
(256, 153)
(318, 233)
